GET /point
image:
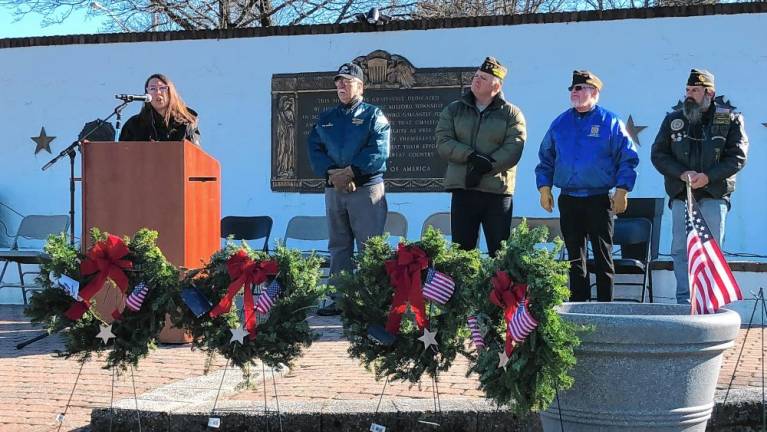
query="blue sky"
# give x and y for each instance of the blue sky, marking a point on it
(30, 25)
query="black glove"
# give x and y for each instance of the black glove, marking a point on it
(481, 162)
(473, 177)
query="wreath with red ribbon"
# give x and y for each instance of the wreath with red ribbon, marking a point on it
(132, 273)
(522, 350)
(385, 313)
(232, 285)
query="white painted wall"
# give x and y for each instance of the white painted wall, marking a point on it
(644, 64)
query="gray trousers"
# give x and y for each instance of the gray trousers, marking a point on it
(352, 217)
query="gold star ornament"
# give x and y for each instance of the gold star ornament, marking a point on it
(43, 141)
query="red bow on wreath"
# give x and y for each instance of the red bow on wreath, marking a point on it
(506, 294)
(244, 272)
(405, 276)
(106, 259)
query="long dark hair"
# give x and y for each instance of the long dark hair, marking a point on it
(177, 109)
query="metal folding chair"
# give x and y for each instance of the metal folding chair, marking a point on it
(396, 225)
(632, 232)
(247, 228)
(440, 221)
(32, 227)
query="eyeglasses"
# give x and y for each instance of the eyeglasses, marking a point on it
(157, 89)
(579, 87)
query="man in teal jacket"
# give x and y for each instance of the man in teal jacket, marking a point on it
(349, 146)
(586, 153)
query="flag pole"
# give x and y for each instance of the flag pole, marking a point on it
(688, 214)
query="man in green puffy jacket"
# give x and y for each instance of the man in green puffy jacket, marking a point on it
(481, 136)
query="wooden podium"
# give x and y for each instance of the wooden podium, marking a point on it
(172, 187)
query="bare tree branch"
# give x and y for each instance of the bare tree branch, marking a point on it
(156, 15)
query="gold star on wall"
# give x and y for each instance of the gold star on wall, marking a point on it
(43, 141)
(634, 130)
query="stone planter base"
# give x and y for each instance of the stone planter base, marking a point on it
(645, 367)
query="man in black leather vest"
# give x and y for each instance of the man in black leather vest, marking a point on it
(705, 144)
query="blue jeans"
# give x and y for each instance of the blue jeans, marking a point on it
(714, 212)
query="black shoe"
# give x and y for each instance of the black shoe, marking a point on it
(330, 310)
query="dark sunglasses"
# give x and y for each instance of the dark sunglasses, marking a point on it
(579, 87)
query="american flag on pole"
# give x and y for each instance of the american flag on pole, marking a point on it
(267, 297)
(438, 286)
(136, 298)
(522, 323)
(712, 284)
(476, 335)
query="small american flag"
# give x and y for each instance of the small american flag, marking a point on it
(438, 286)
(476, 335)
(267, 297)
(522, 323)
(712, 284)
(136, 298)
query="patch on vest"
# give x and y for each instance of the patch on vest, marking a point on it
(357, 121)
(722, 118)
(677, 124)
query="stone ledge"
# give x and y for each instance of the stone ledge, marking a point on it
(741, 412)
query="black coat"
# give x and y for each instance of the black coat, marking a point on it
(720, 153)
(148, 125)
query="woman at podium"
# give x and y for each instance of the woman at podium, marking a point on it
(165, 118)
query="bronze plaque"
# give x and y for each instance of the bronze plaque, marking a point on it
(411, 99)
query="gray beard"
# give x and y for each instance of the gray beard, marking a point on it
(693, 111)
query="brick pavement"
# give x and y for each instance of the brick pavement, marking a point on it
(35, 385)
(326, 372)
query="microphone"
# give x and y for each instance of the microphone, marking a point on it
(133, 98)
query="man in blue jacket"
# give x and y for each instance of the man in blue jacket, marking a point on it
(349, 146)
(586, 153)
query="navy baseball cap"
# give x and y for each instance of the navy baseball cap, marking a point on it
(351, 71)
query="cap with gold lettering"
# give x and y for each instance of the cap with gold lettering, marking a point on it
(494, 68)
(585, 77)
(701, 77)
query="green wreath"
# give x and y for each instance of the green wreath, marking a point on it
(539, 365)
(134, 331)
(281, 335)
(366, 298)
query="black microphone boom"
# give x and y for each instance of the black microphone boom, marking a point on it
(133, 98)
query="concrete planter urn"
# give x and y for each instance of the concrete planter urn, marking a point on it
(645, 367)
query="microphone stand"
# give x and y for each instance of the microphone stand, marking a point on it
(71, 151)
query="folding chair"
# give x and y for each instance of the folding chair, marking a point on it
(247, 228)
(532, 222)
(32, 227)
(396, 225)
(634, 232)
(551, 223)
(309, 229)
(440, 221)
